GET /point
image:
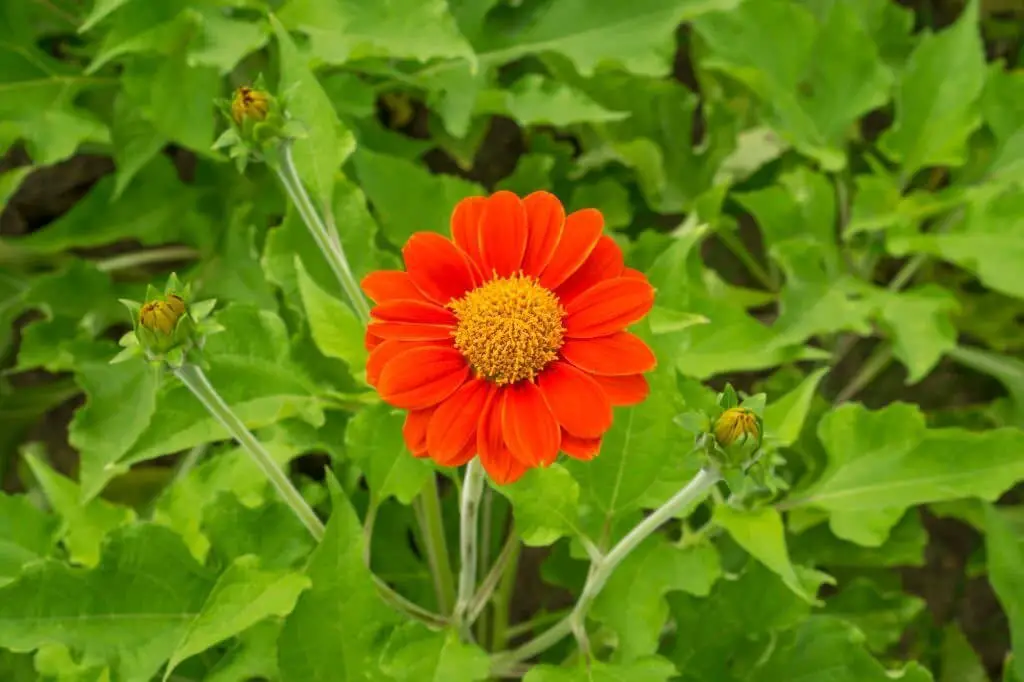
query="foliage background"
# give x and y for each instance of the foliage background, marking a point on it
(828, 195)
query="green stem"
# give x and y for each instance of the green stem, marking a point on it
(535, 622)
(494, 576)
(738, 249)
(602, 569)
(503, 600)
(328, 243)
(436, 546)
(871, 368)
(470, 508)
(195, 379)
(137, 258)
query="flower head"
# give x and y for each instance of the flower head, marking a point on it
(735, 424)
(161, 316)
(508, 340)
(249, 104)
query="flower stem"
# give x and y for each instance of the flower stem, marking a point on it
(195, 379)
(503, 600)
(471, 493)
(328, 242)
(601, 569)
(436, 546)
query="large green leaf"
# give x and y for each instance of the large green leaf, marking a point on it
(26, 534)
(880, 463)
(373, 440)
(344, 30)
(816, 83)
(1005, 557)
(651, 669)
(243, 595)
(633, 601)
(937, 97)
(416, 654)
(133, 608)
(334, 633)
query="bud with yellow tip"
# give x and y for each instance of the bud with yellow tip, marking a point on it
(161, 316)
(737, 424)
(249, 104)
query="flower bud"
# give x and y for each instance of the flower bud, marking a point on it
(249, 104)
(161, 317)
(735, 424)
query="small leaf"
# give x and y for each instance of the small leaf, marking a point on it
(337, 331)
(373, 439)
(1005, 557)
(414, 654)
(653, 669)
(784, 416)
(545, 503)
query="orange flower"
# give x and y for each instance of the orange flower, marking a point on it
(508, 340)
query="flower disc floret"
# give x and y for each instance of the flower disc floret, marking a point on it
(509, 329)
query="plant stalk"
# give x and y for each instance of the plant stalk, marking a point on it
(472, 490)
(328, 243)
(436, 546)
(602, 569)
(195, 379)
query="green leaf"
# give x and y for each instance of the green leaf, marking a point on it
(881, 615)
(536, 100)
(254, 656)
(633, 601)
(989, 241)
(332, 634)
(761, 533)
(1008, 370)
(318, 157)
(919, 321)
(959, 661)
(406, 197)
(784, 417)
(880, 463)
(156, 209)
(637, 37)
(373, 439)
(343, 30)
(112, 612)
(85, 523)
(270, 531)
(824, 647)
(337, 331)
(815, 84)
(1005, 553)
(545, 503)
(937, 97)
(653, 669)
(243, 596)
(415, 654)
(905, 546)
(26, 535)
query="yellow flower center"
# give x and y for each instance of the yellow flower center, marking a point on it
(509, 329)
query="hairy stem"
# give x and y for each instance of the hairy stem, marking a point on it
(326, 241)
(602, 569)
(195, 379)
(472, 490)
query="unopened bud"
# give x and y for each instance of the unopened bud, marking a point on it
(737, 423)
(249, 104)
(162, 316)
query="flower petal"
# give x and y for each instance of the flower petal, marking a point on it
(386, 285)
(579, 237)
(608, 307)
(494, 454)
(437, 267)
(384, 351)
(371, 341)
(613, 355)
(576, 400)
(545, 218)
(626, 390)
(455, 422)
(404, 310)
(502, 235)
(604, 262)
(411, 321)
(584, 449)
(414, 431)
(422, 377)
(466, 226)
(531, 432)
(634, 274)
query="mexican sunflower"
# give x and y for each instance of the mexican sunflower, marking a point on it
(508, 340)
